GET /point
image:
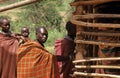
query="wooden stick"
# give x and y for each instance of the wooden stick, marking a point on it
(96, 59)
(113, 34)
(114, 44)
(97, 66)
(96, 75)
(18, 4)
(92, 2)
(93, 16)
(76, 19)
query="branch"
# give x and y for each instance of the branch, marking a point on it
(18, 4)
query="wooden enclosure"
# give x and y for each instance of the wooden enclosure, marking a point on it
(88, 37)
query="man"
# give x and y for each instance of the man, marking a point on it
(23, 36)
(25, 32)
(64, 51)
(41, 35)
(34, 61)
(8, 49)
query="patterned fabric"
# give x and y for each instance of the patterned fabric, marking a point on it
(8, 49)
(65, 47)
(35, 62)
(112, 52)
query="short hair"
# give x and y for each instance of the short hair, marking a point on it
(25, 27)
(1, 20)
(38, 29)
(70, 26)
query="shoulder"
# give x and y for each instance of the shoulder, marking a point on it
(31, 47)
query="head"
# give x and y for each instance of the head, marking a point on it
(71, 29)
(5, 24)
(41, 34)
(25, 31)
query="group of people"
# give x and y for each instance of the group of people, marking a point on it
(22, 57)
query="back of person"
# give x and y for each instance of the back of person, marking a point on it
(64, 51)
(64, 47)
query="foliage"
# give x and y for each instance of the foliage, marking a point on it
(43, 15)
(52, 36)
(46, 13)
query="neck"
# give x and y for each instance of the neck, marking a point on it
(39, 43)
(5, 31)
(69, 38)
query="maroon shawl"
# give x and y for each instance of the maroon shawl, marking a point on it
(36, 62)
(65, 47)
(8, 49)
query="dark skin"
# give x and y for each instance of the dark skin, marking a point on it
(24, 35)
(71, 30)
(5, 25)
(25, 32)
(41, 35)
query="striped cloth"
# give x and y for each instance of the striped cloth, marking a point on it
(8, 49)
(35, 62)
